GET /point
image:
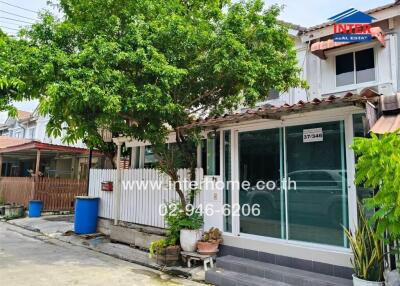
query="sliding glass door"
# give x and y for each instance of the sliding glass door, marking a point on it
(260, 157)
(317, 207)
(311, 204)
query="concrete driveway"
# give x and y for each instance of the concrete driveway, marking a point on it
(29, 258)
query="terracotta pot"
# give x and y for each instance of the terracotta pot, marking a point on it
(207, 247)
(169, 256)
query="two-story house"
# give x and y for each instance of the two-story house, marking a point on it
(302, 136)
(25, 136)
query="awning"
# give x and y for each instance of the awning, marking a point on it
(319, 48)
(10, 145)
(386, 124)
(389, 122)
(269, 111)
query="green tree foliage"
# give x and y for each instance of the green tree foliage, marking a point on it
(145, 68)
(378, 167)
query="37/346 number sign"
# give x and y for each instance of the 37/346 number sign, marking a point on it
(313, 135)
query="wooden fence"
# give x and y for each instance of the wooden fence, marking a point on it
(57, 194)
(143, 192)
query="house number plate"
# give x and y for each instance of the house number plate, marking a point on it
(313, 135)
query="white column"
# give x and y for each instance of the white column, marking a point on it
(117, 190)
(350, 160)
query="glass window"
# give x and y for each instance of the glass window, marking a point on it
(227, 178)
(31, 133)
(135, 159)
(260, 161)
(363, 71)
(210, 149)
(149, 157)
(344, 69)
(317, 207)
(365, 66)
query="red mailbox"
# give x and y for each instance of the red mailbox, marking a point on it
(107, 186)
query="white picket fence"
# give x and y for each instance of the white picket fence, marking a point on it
(140, 201)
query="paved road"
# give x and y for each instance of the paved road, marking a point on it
(28, 258)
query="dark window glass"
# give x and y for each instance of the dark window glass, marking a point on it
(317, 207)
(227, 178)
(344, 69)
(260, 160)
(210, 154)
(149, 157)
(365, 65)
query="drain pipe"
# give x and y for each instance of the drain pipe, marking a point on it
(117, 191)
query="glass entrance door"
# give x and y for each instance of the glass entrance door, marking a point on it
(317, 207)
(260, 163)
(312, 205)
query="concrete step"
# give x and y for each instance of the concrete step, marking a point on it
(222, 277)
(291, 276)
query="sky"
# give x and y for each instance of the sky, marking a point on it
(302, 12)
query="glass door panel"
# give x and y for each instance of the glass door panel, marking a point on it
(260, 161)
(317, 204)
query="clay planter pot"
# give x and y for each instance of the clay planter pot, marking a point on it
(169, 256)
(207, 247)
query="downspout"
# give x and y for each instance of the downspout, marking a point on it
(117, 191)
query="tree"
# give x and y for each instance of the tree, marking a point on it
(378, 167)
(146, 68)
(9, 85)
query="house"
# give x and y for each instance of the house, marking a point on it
(303, 136)
(25, 148)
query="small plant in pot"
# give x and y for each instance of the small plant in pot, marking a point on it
(368, 256)
(165, 251)
(185, 225)
(210, 241)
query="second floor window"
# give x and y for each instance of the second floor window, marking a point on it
(31, 133)
(356, 67)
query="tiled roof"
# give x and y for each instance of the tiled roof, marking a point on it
(22, 115)
(10, 144)
(370, 11)
(6, 141)
(269, 111)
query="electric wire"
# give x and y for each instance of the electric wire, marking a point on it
(13, 14)
(16, 6)
(16, 20)
(9, 28)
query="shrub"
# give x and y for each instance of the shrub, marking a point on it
(378, 167)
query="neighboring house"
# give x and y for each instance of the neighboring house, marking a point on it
(304, 135)
(22, 137)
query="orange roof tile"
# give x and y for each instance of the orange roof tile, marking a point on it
(6, 141)
(23, 114)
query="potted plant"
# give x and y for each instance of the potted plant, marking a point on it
(190, 231)
(210, 241)
(166, 251)
(368, 260)
(184, 226)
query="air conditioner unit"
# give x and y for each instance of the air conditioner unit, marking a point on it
(385, 89)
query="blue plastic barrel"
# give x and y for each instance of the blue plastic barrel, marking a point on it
(86, 209)
(35, 208)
